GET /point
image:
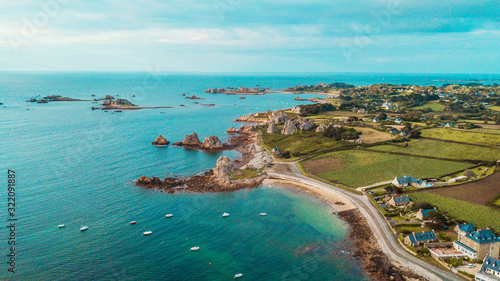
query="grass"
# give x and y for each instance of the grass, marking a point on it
(480, 215)
(245, 174)
(462, 136)
(497, 202)
(364, 168)
(302, 143)
(410, 229)
(432, 105)
(486, 131)
(446, 150)
(495, 108)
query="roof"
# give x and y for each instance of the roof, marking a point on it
(483, 236)
(467, 227)
(402, 199)
(465, 246)
(491, 263)
(407, 180)
(426, 212)
(422, 236)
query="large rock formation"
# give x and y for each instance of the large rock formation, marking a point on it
(160, 140)
(108, 97)
(224, 167)
(323, 127)
(278, 118)
(271, 128)
(231, 131)
(212, 142)
(191, 139)
(306, 124)
(289, 128)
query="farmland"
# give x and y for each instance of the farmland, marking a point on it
(432, 105)
(462, 136)
(478, 192)
(446, 150)
(357, 168)
(480, 215)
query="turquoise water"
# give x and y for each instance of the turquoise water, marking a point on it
(75, 166)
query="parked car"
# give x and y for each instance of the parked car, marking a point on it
(471, 265)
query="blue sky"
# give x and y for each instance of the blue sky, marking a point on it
(251, 36)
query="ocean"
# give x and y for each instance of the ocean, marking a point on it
(75, 166)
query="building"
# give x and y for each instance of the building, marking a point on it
(464, 229)
(420, 238)
(422, 214)
(478, 244)
(409, 181)
(375, 120)
(398, 120)
(399, 201)
(490, 270)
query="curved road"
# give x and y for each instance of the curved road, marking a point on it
(381, 230)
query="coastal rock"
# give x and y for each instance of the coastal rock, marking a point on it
(231, 131)
(279, 118)
(306, 124)
(271, 128)
(192, 139)
(224, 167)
(160, 140)
(108, 97)
(143, 181)
(212, 142)
(289, 128)
(322, 128)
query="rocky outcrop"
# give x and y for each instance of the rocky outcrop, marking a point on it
(191, 139)
(108, 97)
(118, 104)
(160, 140)
(271, 128)
(289, 128)
(231, 131)
(224, 167)
(322, 128)
(305, 124)
(215, 91)
(212, 143)
(193, 97)
(278, 118)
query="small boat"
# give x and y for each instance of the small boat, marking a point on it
(238, 275)
(270, 186)
(225, 215)
(133, 222)
(169, 215)
(61, 226)
(83, 228)
(147, 233)
(262, 214)
(194, 248)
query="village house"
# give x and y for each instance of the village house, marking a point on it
(409, 181)
(464, 229)
(399, 201)
(375, 120)
(420, 238)
(398, 120)
(490, 270)
(424, 213)
(478, 244)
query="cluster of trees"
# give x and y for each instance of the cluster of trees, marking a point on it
(311, 109)
(341, 133)
(321, 87)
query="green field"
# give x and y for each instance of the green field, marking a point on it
(462, 136)
(480, 215)
(364, 168)
(302, 143)
(444, 150)
(432, 105)
(495, 108)
(486, 131)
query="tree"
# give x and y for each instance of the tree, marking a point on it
(422, 205)
(438, 220)
(382, 116)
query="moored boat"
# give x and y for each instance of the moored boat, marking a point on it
(83, 228)
(61, 226)
(133, 222)
(169, 215)
(238, 275)
(225, 215)
(194, 248)
(262, 214)
(147, 233)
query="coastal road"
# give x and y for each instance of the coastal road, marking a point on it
(388, 241)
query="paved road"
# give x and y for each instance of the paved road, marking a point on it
(386, 238)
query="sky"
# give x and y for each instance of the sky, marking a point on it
(388, 36)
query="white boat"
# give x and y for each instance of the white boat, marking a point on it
(225, 215)
(238, 275)
(169, 215)
(83, 228)
(61, 226)
(194, 248)
(262, 214)
(270, 186)
(147, 233)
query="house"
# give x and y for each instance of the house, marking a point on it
(490, 270)
(399, 201)
(423, 213)
(478, 244)
(275, 151)
(398, 120)
(420, 238)
(375, 120)
(448, 125)
(464, 229)
(409, 181)
(362, 110)
(403, 133)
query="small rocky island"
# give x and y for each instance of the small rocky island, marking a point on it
(160, 141)
(52, 98)
(211, 143)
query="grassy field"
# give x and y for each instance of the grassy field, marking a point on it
(432, 105)
(495, 108)
(480, 215)
(369, 135)
(302, 143)
(462, 136)
(245, 174)
(361, 168)
(486, 131)
(444, 150)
